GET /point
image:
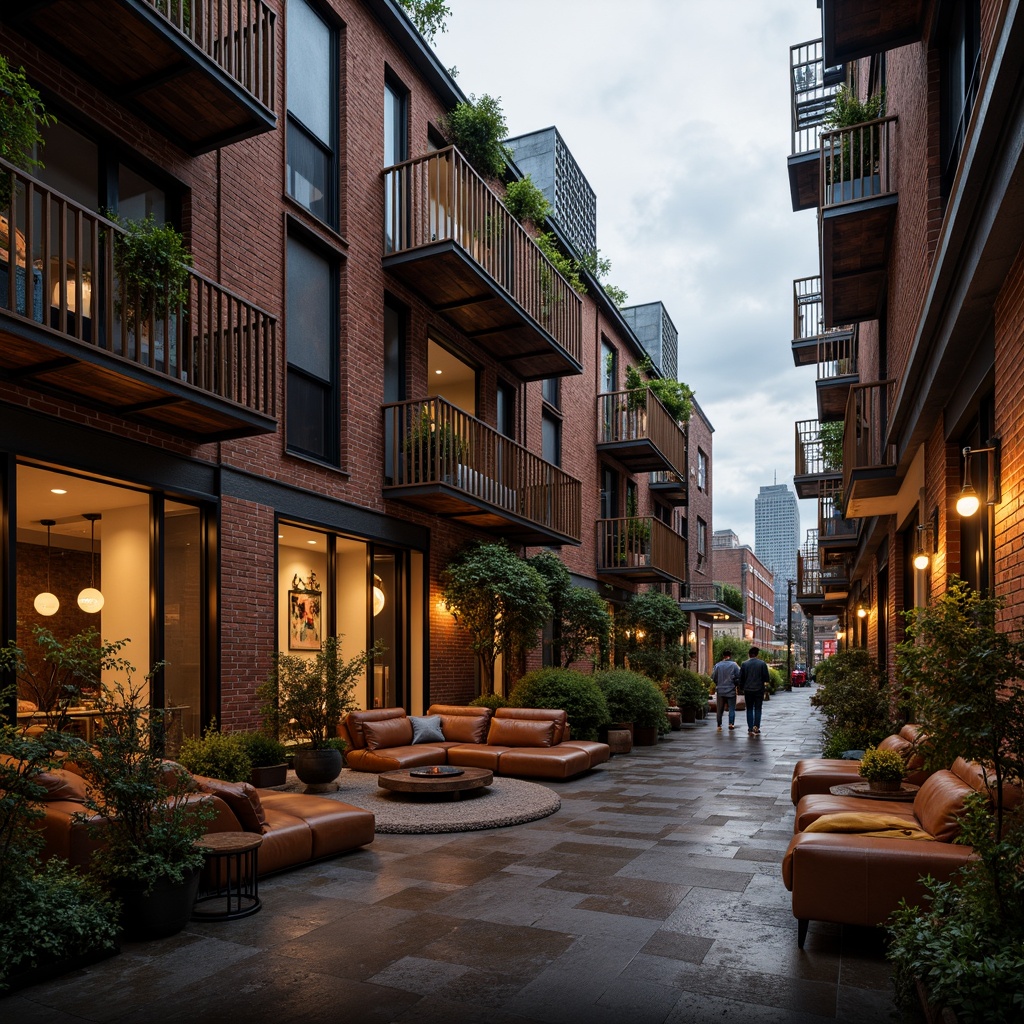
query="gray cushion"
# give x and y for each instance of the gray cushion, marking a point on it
(426, 729)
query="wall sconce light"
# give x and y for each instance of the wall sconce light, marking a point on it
(378, 595)
(692, 637)
(47, 603)
(90, 599)
(862, 610)
(926, 541)
(969, 501)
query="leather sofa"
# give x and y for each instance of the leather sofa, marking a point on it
(296, 828)
(820, 774)
(530, 742)
(853, 878)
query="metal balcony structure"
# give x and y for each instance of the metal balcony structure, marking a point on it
(853, 29)
(708, 600)
(871, 484)
(439, 458)
(201, 71)
(203, 366)
(812, 87)
(448, 236)
(637, 430)
(669, 487)
(836, 535)
(819, 590)
(857, 215)
(816, 463)
(641, 549)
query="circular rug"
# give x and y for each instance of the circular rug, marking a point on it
(504, 802)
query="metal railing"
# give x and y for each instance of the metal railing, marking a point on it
(813, 456)
(640, 542)
(809, 311)
(431, 441)
(856, 163)
(239, 36)
(837, 355)
(812, 91)
(831, 524)
(60, 274)
(703, 593)
(867, 419)
(639, 415)
(808, 568)
(440, 198)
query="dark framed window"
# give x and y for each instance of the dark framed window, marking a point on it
(960, 70)
(396, 150)
(506, 409)
(702, 542)
(609, 369)
(702, 470)
(395, 319)
(311, 333)
(311, 50)
(551, 391)
(609, 493)
(551, 439)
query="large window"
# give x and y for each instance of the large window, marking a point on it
(551, 439)
(961, 66)
(702, 543)
(609, 367)
(312, 344)
(396, 150)
(702, 470)
(312, 130)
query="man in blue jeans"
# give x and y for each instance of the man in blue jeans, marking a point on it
(725, 674)
(753, 678)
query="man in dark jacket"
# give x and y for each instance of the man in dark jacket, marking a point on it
(753, 679)
(725, 674)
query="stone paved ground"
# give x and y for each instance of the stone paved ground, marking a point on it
(654, 895)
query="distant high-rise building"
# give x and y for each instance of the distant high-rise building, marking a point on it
(776, 540)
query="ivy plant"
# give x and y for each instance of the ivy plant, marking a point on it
(22, 115)
(526, 202)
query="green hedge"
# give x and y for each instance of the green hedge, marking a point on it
(576, 694)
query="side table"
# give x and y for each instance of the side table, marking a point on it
(907, 791)
(231, 863)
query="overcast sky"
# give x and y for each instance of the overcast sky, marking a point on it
(677, 112)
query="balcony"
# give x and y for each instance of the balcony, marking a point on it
(819, 590)
(670, 488)
(201, 71)
(812, 87)
(870, 482)
(809, 330)
(707, 599)
(816, 460)
(641, 549)
(837, 373)
(637, 430)
(853, 29)
(441, 459)
(447, 236)
(858, 211)
(836, 535)
(204, 368)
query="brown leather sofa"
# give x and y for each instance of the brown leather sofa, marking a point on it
(820, 774)
(852, 878)
(532, 742)
(296, 828)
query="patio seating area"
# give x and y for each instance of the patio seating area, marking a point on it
(653, 895)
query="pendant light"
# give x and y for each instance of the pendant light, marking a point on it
(91, 600)
(47, 603)
(378, 595)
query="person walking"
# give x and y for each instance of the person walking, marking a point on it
(753, 679)
(725, 675)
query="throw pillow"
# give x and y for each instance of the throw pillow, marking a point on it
(243, 800)
(464, 728)
(517, 732)
(387, 732)
(426, 729)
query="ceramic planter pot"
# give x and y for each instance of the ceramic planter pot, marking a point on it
(317, 767)
(267, 776)
(157, 914)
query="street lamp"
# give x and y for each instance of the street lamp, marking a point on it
(789, 632)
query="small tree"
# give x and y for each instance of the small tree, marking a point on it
(732, 597)
(649, 628)
(831, 437)
(499, 599)
(737, 646)
(476, 128)
(526, 202)
(856, 701)
(586, 627)
(429, 16)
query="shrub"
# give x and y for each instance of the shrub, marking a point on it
(854, 698)
(563, 688)
(632, 697)
(839, 741)
(526, 202)
(776, 681)
(489, 700)
(219, 755)
(689, 689)
(262, 748)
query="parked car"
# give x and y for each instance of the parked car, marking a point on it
(799, 677)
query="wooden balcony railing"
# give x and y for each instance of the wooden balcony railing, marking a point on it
(837, 354)
(432, 442)
(812, 456)
(57, 273)
(440, 198)
(864, 438)
(856, 163)
(640, 545)
(703, 593)
(638, 419)
(237, 35)
(833, 529)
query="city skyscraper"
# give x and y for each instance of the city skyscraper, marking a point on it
(776, 540)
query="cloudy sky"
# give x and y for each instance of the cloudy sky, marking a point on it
(677, 111)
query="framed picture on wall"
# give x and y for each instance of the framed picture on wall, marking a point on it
(304, 621)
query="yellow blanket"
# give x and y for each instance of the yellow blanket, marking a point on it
(888, 826)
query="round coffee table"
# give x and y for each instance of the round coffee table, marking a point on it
(451, 786)
(907, 791)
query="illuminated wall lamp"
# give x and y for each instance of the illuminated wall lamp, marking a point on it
(862, 610)
(969, 500)
(925, 549)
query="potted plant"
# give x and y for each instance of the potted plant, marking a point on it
(305, 698)
(690, 691)
(851, 170)
(151, 264)
(218, 755)
(145, 812)
(431, 449)
(634, 699)
(883, 770)
(267, 755)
